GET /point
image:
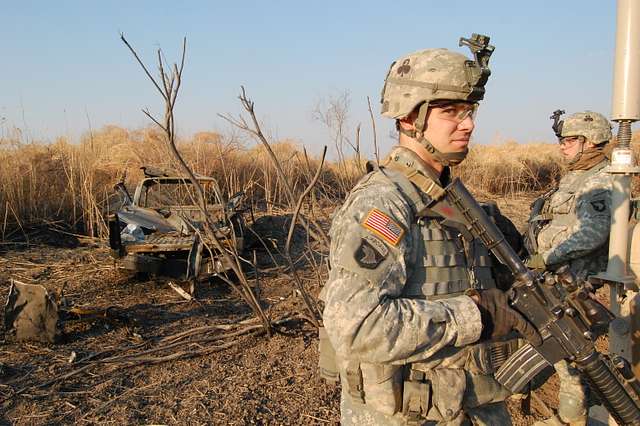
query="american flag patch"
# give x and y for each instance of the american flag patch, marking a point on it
(381, 224)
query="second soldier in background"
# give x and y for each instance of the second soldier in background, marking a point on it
(570, 226)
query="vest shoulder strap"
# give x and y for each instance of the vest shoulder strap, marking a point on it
(409, 192)
(419, 190)
(424, 183)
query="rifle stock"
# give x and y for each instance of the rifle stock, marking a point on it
(561, 309)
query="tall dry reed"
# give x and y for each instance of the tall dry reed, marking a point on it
(72, 184)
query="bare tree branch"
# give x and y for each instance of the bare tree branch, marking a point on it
(148, 114)
(170, 94)
(375, 136)
(310, 304)
(317, 232)
(135, 55)
(163, 75)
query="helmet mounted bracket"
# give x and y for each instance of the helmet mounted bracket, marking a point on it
(557, 123)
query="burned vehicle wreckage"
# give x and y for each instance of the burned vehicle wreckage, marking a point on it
(157, 231)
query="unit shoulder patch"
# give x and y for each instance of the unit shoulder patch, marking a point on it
(371, 252)
(599, 205)
(383, 226)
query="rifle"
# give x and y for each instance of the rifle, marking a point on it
(560, 307)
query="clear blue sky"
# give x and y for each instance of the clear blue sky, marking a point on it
(63, 61)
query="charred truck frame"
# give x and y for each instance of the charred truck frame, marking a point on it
(157, 231)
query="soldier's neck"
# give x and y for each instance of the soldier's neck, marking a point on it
(417, 148)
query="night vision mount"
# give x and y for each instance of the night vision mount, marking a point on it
(480, 48)
(477, 71)
(557, 123)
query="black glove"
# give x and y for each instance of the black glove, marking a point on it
(498, 318)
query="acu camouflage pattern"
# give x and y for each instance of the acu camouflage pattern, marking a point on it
(572, 396)
(579, 219)
(428, 75)
(376, 322)
(592, 125)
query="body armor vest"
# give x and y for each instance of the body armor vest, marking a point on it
(443, 264)
(557, 206)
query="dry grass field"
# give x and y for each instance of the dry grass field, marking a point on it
(171, 361)
(70, 184)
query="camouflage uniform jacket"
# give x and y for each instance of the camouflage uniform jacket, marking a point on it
(579, 219)
(369, 316)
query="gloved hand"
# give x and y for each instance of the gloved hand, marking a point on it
(536, 262)
(498, 318)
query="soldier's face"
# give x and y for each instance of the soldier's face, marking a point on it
(570, 146)
(449, 127)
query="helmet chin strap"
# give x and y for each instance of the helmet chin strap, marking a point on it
(578, 156)
(444, 158)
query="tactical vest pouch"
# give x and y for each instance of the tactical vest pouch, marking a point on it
(382, 385)
(355, 382)
(448, 386)
(415, 398)
(561, 204)
(327, 365)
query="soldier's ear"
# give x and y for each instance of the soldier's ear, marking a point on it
(407, 123)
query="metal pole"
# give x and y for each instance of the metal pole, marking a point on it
(622, 283)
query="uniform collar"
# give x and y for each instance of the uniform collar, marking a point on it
(410, 159)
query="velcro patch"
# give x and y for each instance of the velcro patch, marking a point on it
(371, 252)
(599, 205)
(384, 226)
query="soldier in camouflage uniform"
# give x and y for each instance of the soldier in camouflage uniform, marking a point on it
(570, 225)
(410, 306)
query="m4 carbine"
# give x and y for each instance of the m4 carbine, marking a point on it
(563, 311)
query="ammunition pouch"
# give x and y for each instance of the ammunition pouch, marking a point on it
(449, 386)
(434, 395)
(416, 396)
(444, 394)
(377, 385)
(355, 382)
(424, 392)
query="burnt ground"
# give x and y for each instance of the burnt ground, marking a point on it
(165, 360)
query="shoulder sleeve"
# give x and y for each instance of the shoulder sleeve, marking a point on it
(592, 225)
(365, 314)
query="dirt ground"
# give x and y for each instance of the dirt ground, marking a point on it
(169, 361)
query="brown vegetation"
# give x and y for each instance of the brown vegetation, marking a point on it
(71, 183)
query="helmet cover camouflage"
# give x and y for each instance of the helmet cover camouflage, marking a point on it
(593, 126)
(433, 74)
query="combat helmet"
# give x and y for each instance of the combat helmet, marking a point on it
(593, 126)
(419, 78)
